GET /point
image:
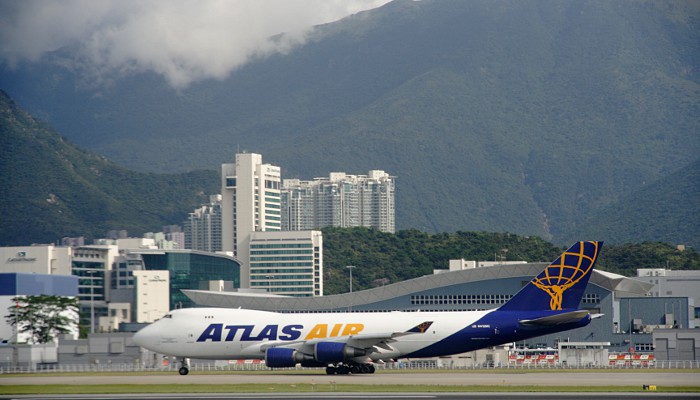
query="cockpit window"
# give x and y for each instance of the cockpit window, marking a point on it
(168, 316)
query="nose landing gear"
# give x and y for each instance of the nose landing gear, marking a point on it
(184, 366)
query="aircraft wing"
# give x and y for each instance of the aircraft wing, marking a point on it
(563, 318)
(360, 341)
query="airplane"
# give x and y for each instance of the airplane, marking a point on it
(352, 342)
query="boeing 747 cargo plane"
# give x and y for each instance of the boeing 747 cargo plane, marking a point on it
(350, 342)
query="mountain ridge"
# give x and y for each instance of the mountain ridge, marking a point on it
(521, 117)
(53, 189)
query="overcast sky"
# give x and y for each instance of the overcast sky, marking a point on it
(183, 40)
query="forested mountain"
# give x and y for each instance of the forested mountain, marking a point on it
(51, 188)
(666, 209)
(537, 118)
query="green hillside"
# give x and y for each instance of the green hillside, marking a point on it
(51, 188)
(665, 210)
(527, 117)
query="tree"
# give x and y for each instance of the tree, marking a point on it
(43, 316)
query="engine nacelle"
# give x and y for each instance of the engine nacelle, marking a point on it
(279, 357)
(333, 352)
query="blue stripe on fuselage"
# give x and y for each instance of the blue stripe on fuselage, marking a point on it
(495, 328)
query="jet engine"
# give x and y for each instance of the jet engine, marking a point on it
(279, 357)
(333, 352)
(324, 353)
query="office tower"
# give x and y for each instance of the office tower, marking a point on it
(287, 263)
(203, 227)
(340, 200)
(250, 203)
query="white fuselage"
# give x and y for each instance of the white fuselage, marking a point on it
(217, 333)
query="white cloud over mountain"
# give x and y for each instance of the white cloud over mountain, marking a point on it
(183, 40)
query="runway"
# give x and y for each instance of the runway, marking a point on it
(559, 378)
(375, 396)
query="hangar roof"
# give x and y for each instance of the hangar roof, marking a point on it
(622, 286)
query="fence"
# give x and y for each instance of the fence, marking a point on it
(402, 365)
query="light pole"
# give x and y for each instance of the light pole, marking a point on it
(350, 267)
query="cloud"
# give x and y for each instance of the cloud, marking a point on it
(183, 40)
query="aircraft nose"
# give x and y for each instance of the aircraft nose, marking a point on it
(142, 337)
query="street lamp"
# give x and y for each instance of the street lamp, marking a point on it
(350, 267)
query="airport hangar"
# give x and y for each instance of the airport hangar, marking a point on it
(622, 300)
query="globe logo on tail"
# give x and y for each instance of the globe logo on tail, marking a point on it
(566, 272)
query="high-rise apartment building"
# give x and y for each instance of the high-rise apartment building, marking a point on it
(203, 227)
(250, 203)
(340, 200)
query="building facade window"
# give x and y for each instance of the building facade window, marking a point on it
(460, 299)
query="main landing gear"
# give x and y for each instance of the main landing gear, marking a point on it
(184, 366)
(342, 369)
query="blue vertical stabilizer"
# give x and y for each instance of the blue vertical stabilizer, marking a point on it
(561, 285)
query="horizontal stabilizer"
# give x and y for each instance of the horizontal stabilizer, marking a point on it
(420, 328)
(563, 318)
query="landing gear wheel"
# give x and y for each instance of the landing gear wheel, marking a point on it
(184, 366)
(343, 370)
(331, 371)
(370, 369)
(355, 369)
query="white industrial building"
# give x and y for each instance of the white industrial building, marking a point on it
(41, 259)
(673, 283)
(97, 277)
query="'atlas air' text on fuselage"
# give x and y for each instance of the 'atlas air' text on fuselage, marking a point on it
(249, 333)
